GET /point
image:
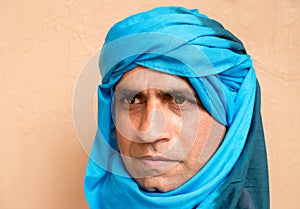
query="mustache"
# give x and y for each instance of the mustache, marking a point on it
(159, 151)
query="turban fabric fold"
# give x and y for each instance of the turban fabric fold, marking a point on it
(185, 43)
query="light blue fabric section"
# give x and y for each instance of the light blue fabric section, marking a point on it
(181, 42)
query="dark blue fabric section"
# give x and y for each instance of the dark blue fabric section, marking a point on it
(247, 186)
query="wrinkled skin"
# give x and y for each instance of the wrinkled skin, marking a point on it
(163, 132)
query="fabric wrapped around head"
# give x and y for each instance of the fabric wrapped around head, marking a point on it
(185, 43)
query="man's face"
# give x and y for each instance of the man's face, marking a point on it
(163, 132)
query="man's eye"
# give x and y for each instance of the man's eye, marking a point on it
(131, 100)
(179, 100)
(175, 99)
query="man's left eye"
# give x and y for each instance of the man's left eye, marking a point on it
(175, 99)
(179, 100)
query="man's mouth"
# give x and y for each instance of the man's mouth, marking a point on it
(157, 162)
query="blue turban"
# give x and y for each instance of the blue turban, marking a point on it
(185, 43)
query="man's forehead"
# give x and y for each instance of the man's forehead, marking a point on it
(141, 78)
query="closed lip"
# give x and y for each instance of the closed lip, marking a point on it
(155, 158)
(157, 162)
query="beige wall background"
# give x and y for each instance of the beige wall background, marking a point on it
(44, 45)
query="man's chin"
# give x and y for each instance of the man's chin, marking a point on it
(150, 169)
(154, 184)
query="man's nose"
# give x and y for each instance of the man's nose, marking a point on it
(153, 125)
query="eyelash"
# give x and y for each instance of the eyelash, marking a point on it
(175, 99)
(135, 100)
(129, 100)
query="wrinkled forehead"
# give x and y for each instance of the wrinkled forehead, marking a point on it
(140, 78)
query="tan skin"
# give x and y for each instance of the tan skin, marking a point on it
(164, 134)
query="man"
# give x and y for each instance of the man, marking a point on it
(179, 117)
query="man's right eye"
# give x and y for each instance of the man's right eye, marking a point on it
(131, 100)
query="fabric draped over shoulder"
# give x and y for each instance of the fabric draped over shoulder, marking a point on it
(185, 43)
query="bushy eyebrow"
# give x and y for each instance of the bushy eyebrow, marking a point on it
(174, 92)
(127, 91)
(121, 92)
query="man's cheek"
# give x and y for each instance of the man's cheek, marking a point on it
(123, 144)
(125, 128)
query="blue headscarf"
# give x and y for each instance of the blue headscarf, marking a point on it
(185, 43)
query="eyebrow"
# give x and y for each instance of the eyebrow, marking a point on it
(176, 92)
(127, 91)
(121, 91)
